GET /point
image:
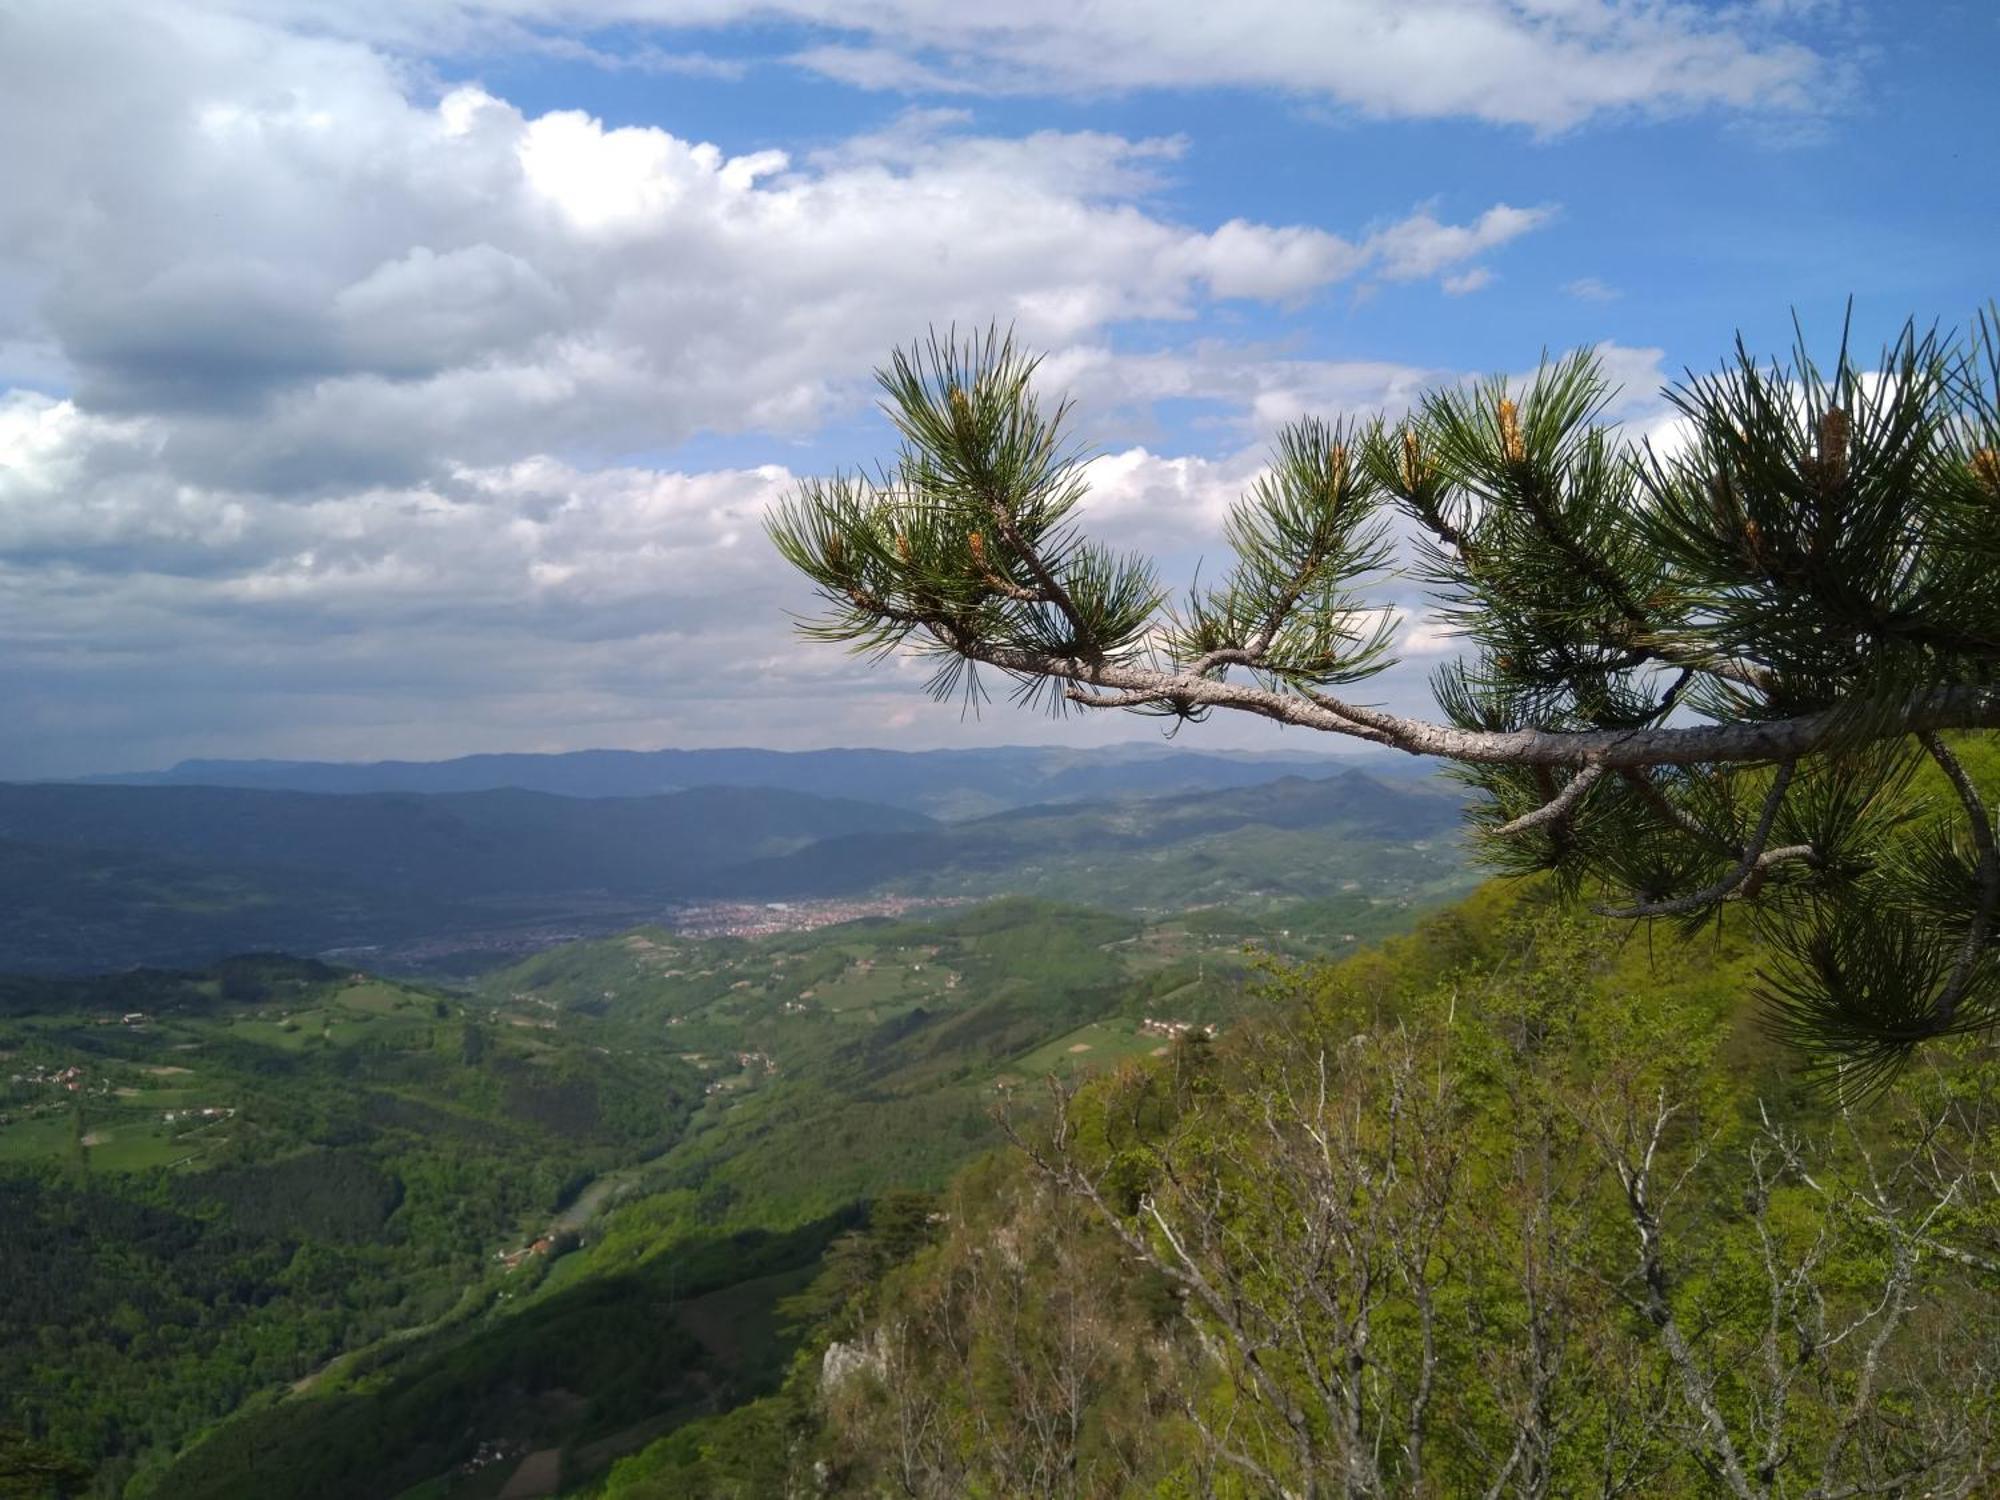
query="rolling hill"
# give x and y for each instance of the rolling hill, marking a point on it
(941, 783)
(101, 877)
(348, 1170)
(1253, 847)
(213, 1182)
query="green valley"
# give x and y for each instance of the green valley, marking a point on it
(217, 1181)
(266, 1207)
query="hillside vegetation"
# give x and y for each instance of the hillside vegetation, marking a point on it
(215, 1182)
(776, 1251)
(311, 1278)
(1504, 1208)
(1508, 1204)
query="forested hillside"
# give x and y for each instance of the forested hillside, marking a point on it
(884, 1078)
(721, 1217)
(215, 1182)
(281, 1217)
(1506, 1207)
(379, 1229)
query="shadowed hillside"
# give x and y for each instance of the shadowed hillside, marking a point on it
(106, 876)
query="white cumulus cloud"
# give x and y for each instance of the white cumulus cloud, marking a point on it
(1545, 64)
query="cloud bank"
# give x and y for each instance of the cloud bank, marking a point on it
(1548, 65)
(338, 407)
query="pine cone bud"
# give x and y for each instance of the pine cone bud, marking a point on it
(1413, 464)
(1986, 469)
(1753, 542)
(1510, 433)
(903, 547)
(1723, 505)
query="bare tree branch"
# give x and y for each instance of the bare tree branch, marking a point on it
(1557, 807)
(1754, 859)
(1748, 742)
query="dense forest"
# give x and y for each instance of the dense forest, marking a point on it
(216, 1182)
(1506, 1207)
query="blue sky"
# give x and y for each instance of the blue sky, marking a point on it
(407, 379)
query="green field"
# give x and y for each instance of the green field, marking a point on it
(1100, 1044)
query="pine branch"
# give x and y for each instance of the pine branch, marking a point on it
(1557, 807)
(1812, 581)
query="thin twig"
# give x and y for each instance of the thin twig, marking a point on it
(1754, 860)
(1989, 876)
(1557, 806)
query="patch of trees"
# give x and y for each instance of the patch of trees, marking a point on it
(582, 1363)
(330, 1207)
(341, 1195)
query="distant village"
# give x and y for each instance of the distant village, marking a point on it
(76, 1083)
(71, 1080)
(450, 951)
(765, 918)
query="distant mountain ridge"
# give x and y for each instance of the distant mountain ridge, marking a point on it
(1052, 836)
(102, 877)
(941, 783)
(488, 843)
(96, 877)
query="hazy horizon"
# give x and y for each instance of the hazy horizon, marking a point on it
(1300, 747)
